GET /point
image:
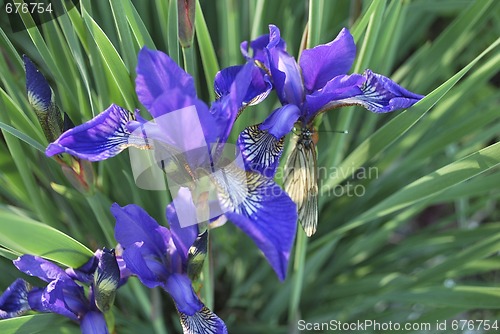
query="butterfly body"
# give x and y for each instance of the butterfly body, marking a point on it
(301, 178)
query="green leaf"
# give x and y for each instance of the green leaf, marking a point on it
(28, 140)
(29, 324)
(26, 236)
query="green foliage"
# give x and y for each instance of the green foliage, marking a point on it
(409, 227)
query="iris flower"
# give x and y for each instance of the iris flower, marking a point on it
(253, 202)
(63, 295)
(315, 84)
(160, 257)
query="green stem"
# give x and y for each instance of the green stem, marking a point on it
(208, 278)
(298, 278)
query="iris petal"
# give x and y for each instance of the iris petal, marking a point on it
(183, 237)
(41, 268)
(260, 150)
(259, 45)
(158, 74)
(195, 317)
(14, 300)
(258, 90)
(143, 265)
(259, 207)
(337, 89)
(65, 298)
(94, 323)
(101, 138)
(180, 288)
(375, 92)
(202, 322)
(324, 62)
(287, 78)
(281, 121)
(133, 224)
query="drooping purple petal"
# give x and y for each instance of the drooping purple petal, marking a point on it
(14, 300)
(375, 92)
(180, 288)
(103, 137)
(195, 317)
(260, 150)
(158, 74)
(259, 207)
(94, 323)
(281, 121)
(336, 90)
(258, 90)
(39, 267)
(324, 62)
(37, 87)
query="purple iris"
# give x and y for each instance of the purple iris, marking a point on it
(159, 257)
(63, 295)
(317, 83)
(253, 202)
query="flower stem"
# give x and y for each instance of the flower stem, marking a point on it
(208, 278)
(298, 277)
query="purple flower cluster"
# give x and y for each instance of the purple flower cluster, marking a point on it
(246, 195)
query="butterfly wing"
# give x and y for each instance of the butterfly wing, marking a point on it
(301, 183)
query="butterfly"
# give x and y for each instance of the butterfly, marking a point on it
(301, 178)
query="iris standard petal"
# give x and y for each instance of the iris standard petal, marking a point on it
(258, 90)
(158, 74)
(324, 62)
(39, 267)
(64, 298)
(150, 270)
(226, 110)
(133, 224)
(259, 45)
(103, 137)
(37, 87)
(259, 207)
(14, 300)
(287, 78)
(93, 323)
